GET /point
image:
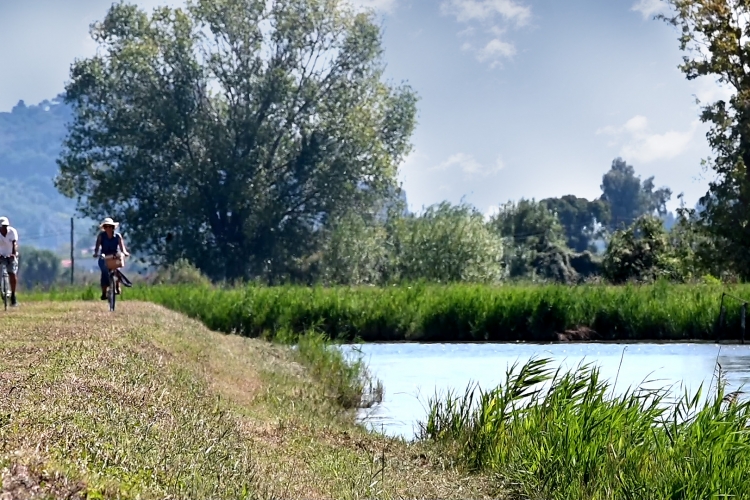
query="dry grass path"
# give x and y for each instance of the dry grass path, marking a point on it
(146, 403)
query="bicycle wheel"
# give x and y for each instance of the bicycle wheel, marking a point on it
(112, 294)
(5, 285)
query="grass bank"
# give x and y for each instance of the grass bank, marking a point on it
(560, 436)
(454, 312)
(146, 403)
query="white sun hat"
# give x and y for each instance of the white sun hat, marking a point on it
(108, 222)
(4, 221)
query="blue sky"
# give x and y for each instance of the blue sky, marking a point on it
(518, 98)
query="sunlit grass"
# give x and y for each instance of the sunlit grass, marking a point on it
(145, 403)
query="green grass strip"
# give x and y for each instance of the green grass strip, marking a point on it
(422, 312)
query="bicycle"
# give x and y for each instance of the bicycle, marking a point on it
(114, 262)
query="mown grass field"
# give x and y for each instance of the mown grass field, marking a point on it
(453, 312)
(146, 403)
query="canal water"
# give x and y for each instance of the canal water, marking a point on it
(411, 372)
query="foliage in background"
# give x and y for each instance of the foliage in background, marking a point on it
(38, 268)
(181, 272)
(355, 252)
(712, 36)
(695, 250)
(348, 246)
(534, 244)
(448, 243)
(582, 220)
(628, 198)
(641, 252)
(347, 243)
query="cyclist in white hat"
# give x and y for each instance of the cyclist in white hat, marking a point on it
(111, 243)
(9, 254)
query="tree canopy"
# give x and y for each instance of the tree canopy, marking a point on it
(582, 219)
(629, 198)
(236, 127)
(714, 39)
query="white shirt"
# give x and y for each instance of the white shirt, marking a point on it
(6, 242)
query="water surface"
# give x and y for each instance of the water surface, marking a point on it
(412, 372)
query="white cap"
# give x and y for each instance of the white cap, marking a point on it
(109, 222)
(4, 221)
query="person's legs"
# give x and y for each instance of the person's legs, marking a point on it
(12, 271)
(104, 281)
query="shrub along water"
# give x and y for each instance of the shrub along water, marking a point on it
(461, 312)
(347, 379)
(559, 436)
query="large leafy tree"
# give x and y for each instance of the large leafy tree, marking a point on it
(628, 197)
(227, 133)
(714, 36)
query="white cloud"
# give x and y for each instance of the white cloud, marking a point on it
(494, 17)
(649, 8)
(469, 166)
(708, 91)
(496, 49)
(638, 143)
(491, 211)
(487, 10)
(378, 5)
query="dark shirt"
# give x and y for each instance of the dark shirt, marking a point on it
(110, 246)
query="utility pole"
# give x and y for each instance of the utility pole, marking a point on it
(72, 253)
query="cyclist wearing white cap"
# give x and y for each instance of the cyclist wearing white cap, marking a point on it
(9, 254)
(111, 243)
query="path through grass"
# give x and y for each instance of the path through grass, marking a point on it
(147, 403)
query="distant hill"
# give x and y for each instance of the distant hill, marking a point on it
(30, 142)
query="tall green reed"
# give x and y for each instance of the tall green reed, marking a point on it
(548, 434)
(460, 312)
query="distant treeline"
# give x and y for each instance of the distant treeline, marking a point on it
(295, 180)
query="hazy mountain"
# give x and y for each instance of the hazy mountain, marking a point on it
(30, 141)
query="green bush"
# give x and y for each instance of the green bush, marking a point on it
(181, 272)
(447, 244)
(355, 252)
(641, 252)
(38, 268)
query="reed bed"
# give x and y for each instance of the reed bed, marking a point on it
(460, 312)
(554, 435)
